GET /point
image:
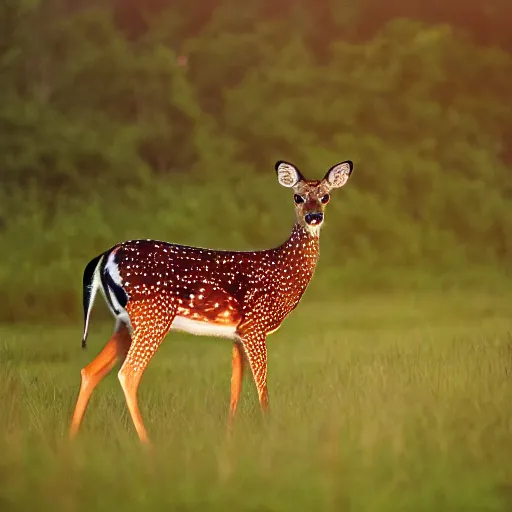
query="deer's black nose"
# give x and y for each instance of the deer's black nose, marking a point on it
(314, 218)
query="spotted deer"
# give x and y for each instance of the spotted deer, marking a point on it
(152, 287)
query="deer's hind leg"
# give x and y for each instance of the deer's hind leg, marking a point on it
(116, 349)
(151, 321)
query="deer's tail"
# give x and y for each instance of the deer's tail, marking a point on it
(91, 283)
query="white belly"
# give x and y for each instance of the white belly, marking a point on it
(181, 323)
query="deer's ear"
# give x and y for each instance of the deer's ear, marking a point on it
(338, 174)
(287, 174)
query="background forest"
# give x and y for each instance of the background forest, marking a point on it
(164, 119)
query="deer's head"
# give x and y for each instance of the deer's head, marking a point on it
(311, 196)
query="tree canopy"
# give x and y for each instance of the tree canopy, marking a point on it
(146, 119)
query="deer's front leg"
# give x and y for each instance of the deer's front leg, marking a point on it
(237, 374)
(254, 343)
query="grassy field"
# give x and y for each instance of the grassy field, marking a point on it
(379, 403)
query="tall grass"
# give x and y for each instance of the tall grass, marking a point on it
(384, 402)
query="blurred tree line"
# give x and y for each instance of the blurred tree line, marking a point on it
(127, 119)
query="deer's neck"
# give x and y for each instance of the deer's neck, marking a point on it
(300, 252)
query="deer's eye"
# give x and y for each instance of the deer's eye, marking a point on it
(325, 199)
(298, 199)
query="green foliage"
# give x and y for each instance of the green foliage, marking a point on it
(105, 137)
